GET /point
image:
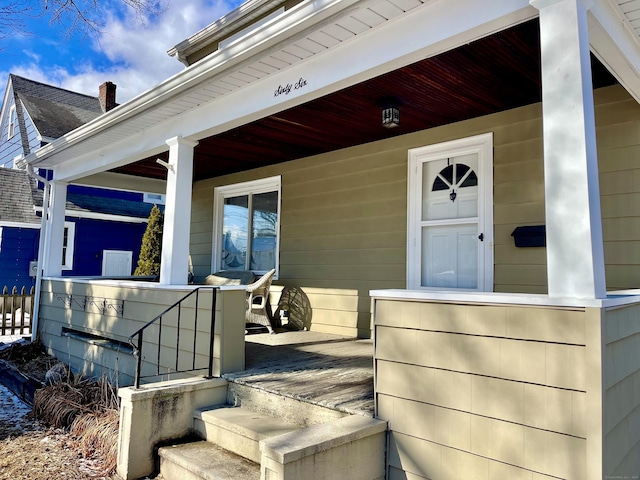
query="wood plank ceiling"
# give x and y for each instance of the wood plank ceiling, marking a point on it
(492, 74)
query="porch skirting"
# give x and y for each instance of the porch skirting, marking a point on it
(508, 384)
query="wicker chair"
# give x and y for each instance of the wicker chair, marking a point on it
(258, 308)
(230, 277)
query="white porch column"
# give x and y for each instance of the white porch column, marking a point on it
(174, 267)
(575, 254)
(54, 234)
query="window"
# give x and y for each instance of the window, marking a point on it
(247, 226)
(154, 198)
(67, 245)
(11, 131)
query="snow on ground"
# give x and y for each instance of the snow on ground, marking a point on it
(12, 409)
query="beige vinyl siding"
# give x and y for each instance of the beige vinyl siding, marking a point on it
(621, 394)
(618, 121)
(488, 391)
(68, 305)
(343, 219)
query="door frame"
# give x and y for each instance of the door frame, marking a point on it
(482, 145)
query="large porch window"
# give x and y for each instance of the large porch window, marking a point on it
(247, 226)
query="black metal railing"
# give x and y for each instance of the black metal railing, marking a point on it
(138, 343)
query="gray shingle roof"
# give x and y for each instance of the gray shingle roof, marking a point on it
(79, 202)
(54, 111)
(16, 198)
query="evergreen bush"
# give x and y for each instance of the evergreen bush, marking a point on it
(151, 249)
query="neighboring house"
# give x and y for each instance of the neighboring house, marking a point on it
(19, 230)
(400, 144)
(103, 227)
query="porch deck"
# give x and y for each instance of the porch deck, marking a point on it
(322, 369)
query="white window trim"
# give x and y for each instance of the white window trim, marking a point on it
(483, 146)
(264, 185)
(71, 240)
(13, 117)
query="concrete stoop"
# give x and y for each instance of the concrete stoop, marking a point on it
(240, 442)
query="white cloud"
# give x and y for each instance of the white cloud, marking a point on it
(132, 56)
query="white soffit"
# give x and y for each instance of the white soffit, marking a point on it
(307, 30)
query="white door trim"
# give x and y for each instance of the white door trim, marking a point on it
(482, 145)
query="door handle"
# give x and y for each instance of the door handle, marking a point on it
(481, 237)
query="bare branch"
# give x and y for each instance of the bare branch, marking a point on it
(74, 16)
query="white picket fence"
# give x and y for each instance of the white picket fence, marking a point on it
(15, 311)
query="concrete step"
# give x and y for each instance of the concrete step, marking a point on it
(204, 461)
(239, 429)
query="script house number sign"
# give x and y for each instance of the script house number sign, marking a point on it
(286, 89)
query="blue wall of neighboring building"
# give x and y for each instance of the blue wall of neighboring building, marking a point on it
(18, 246)
(93, 236)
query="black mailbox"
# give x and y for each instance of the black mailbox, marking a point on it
(530, 236)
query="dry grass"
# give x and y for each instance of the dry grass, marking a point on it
(89, 410)
(82, 412)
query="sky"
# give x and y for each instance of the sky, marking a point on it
(132, 56)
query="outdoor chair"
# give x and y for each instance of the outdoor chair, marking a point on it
(230, 277)
(258, 308)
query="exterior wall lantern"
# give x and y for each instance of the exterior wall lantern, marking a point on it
(390, 113)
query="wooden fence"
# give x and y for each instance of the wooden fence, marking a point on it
(15, 311)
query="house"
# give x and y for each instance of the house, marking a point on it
(400, 144)
(19, 229)
(103, 227)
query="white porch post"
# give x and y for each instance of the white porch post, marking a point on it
(54, 234)
(174, 267)
(575, 254)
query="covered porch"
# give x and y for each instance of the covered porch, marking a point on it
(543, 95)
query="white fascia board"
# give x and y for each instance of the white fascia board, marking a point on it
(615, 44)
(45, 139)
(428, 31)
(6, 104)
(70, 214)
(293, 21)
(19, 225)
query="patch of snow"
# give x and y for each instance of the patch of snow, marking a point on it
(12, 409)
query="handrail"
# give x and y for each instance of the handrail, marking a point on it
(137, 346)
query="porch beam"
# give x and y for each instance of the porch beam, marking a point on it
(174, 267)
(54, 233)
(575, 253)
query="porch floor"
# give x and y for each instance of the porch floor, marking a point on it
(323, 369)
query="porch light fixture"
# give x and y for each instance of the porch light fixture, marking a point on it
(390, 113)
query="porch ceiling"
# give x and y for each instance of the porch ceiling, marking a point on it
(492, 74)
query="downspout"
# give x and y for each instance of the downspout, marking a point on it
(43, 229)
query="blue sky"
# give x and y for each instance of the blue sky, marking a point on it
(130, 55)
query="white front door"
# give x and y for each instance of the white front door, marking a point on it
(450, 221)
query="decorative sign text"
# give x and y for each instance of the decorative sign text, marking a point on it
(286, 89)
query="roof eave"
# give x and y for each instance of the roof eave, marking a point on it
(185, 79)
(222, 27)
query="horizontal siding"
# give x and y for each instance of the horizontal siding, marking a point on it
(484, 391)
(140, 305)
(622, 396)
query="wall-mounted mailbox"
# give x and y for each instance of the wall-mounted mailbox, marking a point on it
(530, 236)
